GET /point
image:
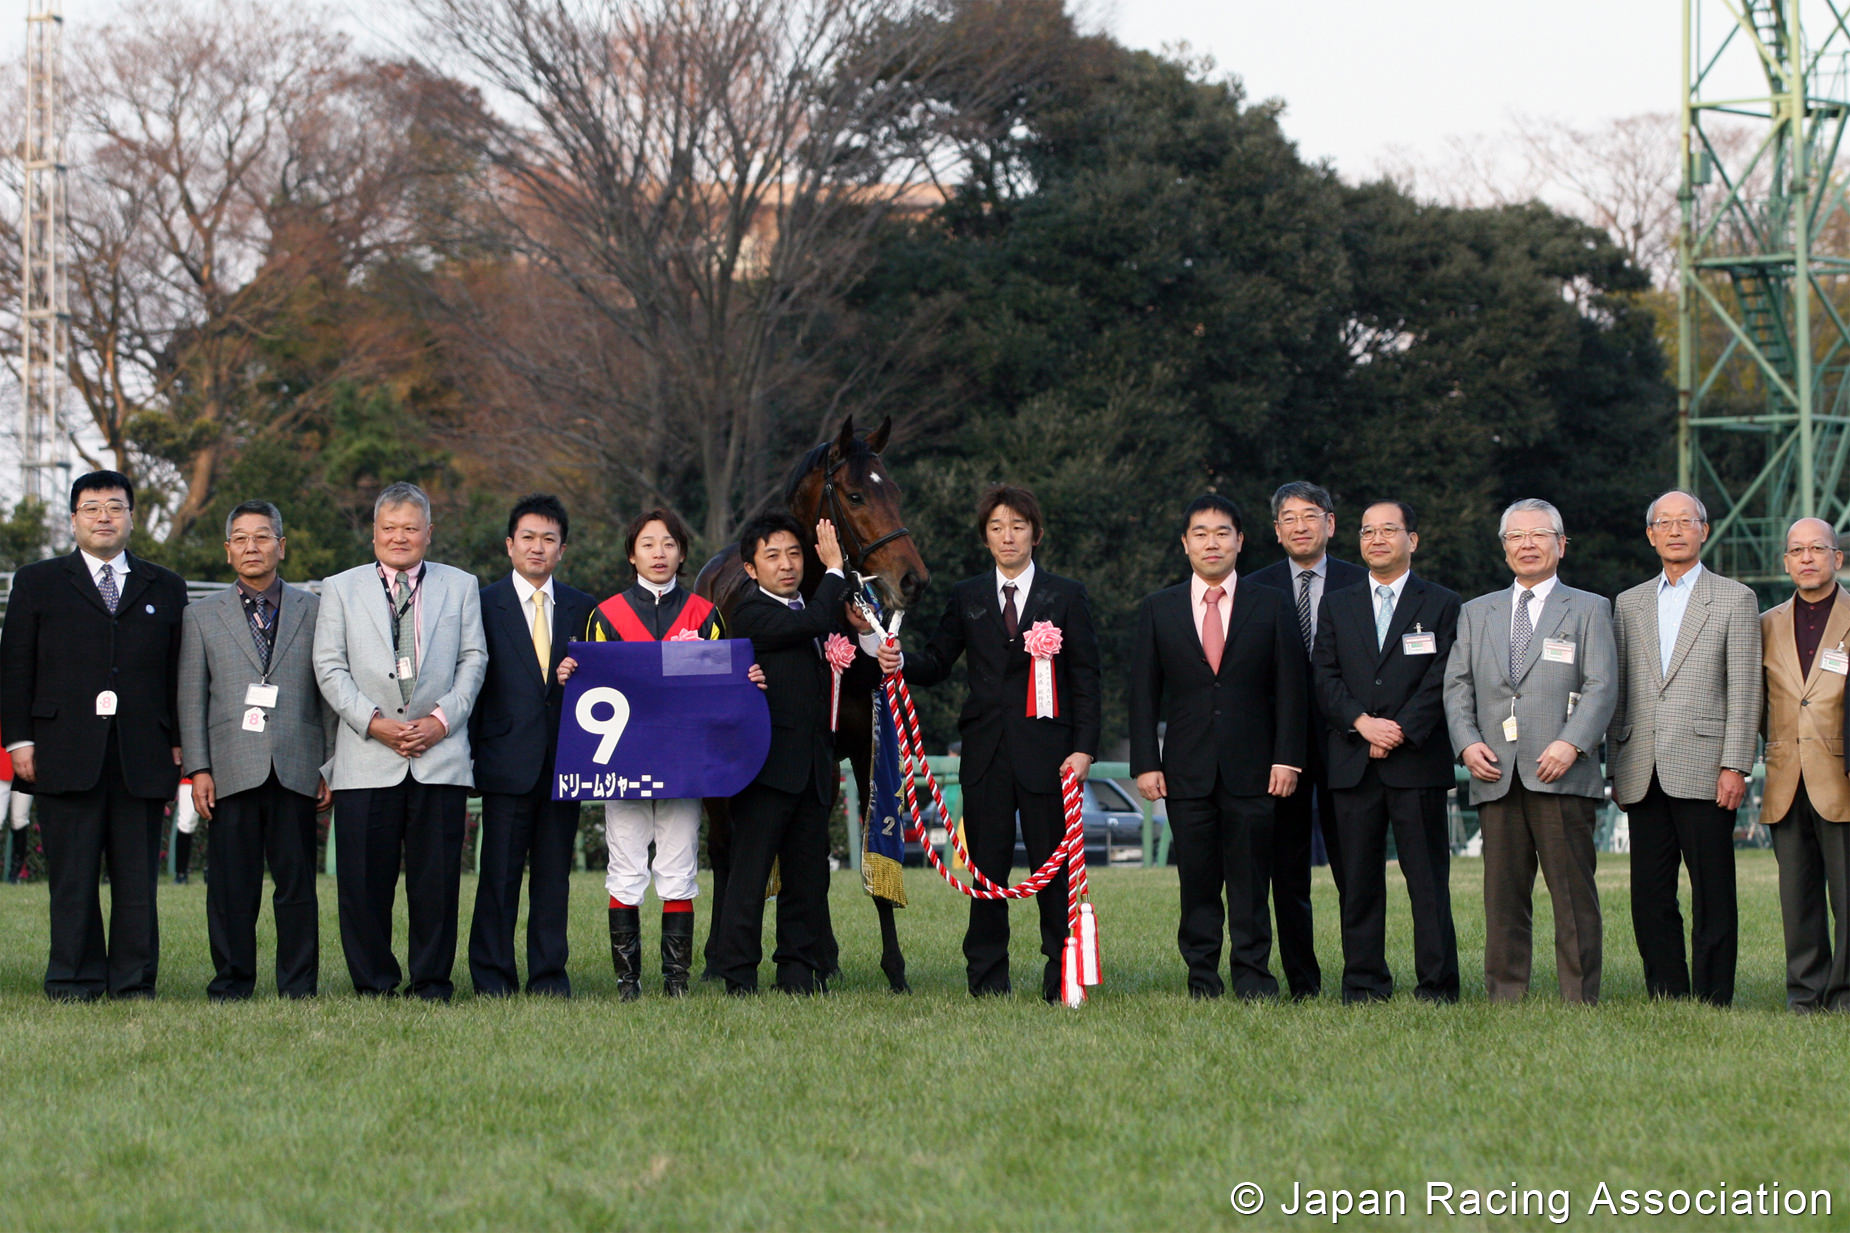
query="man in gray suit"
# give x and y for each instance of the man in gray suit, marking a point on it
(399, 655)
(1528, 692)
(1682, 745)
(254, 732)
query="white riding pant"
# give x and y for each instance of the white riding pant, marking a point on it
(674, 828)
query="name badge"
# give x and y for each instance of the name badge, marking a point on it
(1835, 661)
(1509, 728)
(253, 719)
(404, 667)
(1419, 644)
(106, 702)
(259, 694)
(1558, 650)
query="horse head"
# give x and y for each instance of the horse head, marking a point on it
(844, 481)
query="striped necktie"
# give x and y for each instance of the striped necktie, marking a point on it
(1305, 625)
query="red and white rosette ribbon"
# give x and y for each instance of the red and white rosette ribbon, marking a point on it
(685, 635)
(1042, 641)
(840, 653)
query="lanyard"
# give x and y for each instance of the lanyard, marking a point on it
(260, 602)
(392, 605)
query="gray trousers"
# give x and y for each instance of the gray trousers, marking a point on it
(1814, 867)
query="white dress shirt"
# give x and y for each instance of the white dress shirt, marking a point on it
(525, 590)
(118, 565)
(1672, 603)
(1541, 591)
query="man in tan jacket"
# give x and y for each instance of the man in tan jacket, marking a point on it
(1807, 804)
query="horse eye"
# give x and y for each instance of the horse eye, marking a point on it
(855, 498)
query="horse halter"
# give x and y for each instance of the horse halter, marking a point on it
(856, 553)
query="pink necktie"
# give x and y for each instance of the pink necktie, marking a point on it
(1213, 637)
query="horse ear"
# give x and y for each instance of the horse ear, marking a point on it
(845, 441)
(876, 440)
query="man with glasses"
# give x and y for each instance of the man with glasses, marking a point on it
(1529, 688)
(1380, 660)
(1807, 804)
(1682, 745)
(255, 733)
(87, 682)
(1304, 519)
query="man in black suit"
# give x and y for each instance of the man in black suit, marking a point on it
(1014, 749)
(1223, 664)
(1380, 668)
(1304, 519)
(528, 618)
(88, 684)
(783, 815)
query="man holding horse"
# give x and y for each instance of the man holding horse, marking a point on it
(1032, 712)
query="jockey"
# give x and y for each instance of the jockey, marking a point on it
(658, 609)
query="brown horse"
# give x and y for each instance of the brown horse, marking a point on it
(844, 481)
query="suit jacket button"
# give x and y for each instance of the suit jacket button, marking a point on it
(1377, 680)
(1217, 714)
(1804, 701)
(401, 710)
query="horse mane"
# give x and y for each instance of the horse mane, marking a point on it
(815, 459)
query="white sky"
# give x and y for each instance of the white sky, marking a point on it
(1361, 76)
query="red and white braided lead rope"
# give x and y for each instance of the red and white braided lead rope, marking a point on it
(1080, 963)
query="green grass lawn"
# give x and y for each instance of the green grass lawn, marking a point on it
(1142, 1110)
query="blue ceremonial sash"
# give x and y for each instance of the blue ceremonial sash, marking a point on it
(661, 721)
(883, 827)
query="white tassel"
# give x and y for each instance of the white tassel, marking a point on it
(1088, 945)
(1071, 991)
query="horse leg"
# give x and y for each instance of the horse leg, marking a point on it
(719, 856)
(856, 743)
(892, 962)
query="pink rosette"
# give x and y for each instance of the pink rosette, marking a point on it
(686, 635)
(1042, 641)
(839, 652)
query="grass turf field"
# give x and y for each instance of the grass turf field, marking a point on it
(1143, 1110)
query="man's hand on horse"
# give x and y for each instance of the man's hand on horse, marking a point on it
(827, 546)
(856, 618)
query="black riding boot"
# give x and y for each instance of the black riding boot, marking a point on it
(677, 952)
(626, 952)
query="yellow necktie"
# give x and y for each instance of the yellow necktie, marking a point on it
(542, 633)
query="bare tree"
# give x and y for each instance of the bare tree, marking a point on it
(692, 186)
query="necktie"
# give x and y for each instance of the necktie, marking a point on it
(106, 583)
(1213, 637)
(796, 605)
(260, 629)
(1384, 614)
(1011, 618)
(407, 617)
(542, 633)
(1305, 625)
(1519, 636)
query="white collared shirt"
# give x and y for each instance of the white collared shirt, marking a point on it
(1022, 582)
(661, 590)
(1398, 587)
(1541, 591)
(1672, 603)
(118, 565)
(525, 590)
(1198, 603)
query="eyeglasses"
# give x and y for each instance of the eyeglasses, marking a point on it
(1386, 532)
(1516, 539)
(1289, 521)
(1677, 524)
(1810, 550)
(260, 540)
(93, 509)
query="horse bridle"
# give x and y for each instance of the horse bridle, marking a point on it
(856, 553)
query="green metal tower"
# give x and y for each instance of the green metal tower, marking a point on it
(1763, 349)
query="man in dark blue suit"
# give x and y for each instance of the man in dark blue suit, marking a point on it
(528, 619)
(1304, 519)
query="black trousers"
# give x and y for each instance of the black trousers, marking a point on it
(519, 833)
(1814, 906)
(83, 832)
(1298, 815)
(1223, 844)
(791, 829)
(992, 803)
(719, 859)
(1699, 833)
(373, 829)
(1364, 815)
(247, 827)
